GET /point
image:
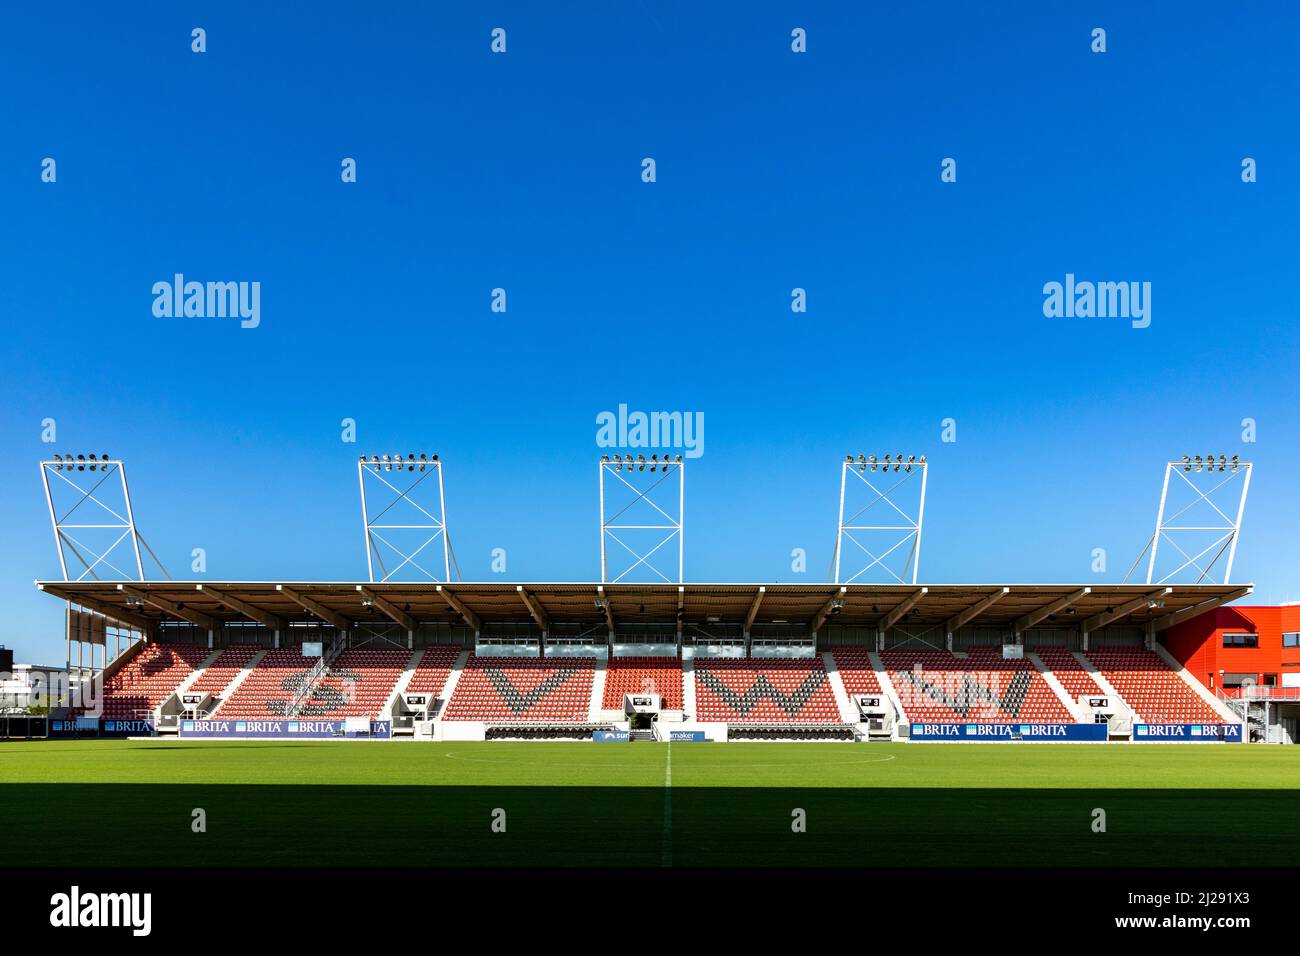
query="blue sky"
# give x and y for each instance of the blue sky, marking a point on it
(775, 170)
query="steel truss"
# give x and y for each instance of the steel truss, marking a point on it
(88, 498)
(890, 479)
(1221, 531)
(640, 478)
(396, 479)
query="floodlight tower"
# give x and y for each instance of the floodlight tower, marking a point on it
(636, 482)
(92, 518)
(411, 527)
(1200, 521)
(893, 481)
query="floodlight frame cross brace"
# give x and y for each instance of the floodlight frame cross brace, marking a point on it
(673, 527)
(435, 526)
(64, 541)
(910, 529)
(1228, 533)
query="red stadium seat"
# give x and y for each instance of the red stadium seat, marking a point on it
(764, 691)
(1151, 688)
(981, 688)
(149, 678)
(514, 688)
(643, 675)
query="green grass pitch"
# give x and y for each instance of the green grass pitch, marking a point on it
(301, 803)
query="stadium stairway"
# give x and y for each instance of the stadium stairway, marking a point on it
(1057, 687)
(193, 677)
(1099, 679)
(848, 713)
(597, 705)
(229, 690)
(1201, 691)
(688, 689)
(402, 683)
(887, 686)
(449, 687)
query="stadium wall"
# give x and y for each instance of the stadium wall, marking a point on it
(1199, 645)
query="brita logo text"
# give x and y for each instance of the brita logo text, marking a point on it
(624, 429)
(76, 909)
(209, 300)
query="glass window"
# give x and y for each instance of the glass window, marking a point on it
(1240, 640)
(1291, 640)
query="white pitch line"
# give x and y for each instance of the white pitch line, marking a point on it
(668, 809)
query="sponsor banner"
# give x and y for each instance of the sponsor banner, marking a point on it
(686, 736)
(300, 729)
(126, 728)
(77, 727)
(1037, 733)
(610, 736)
(95, 727)
(1198, 733)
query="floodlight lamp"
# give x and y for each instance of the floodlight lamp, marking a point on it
(871, 458)
(679, 457)
(81, 458)
(850, 457)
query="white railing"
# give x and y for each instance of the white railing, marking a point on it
(1256, 692)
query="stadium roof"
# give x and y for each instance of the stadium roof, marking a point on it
(1018, 606)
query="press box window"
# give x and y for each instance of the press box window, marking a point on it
(1241, 640)
(1291, 640)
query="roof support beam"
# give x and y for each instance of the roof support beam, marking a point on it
(198, 619)
(958, 621)
(388, 608)
(1098, 621)
(320, 610)
(1187, 613)
(602, 601)
(265, 618)
(535, 609)
(893, 617)
(459, 607)
(830, 607)
(753, 609)
(1041, 614)
(129, 618)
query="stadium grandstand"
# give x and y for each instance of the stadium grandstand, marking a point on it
(618, 660)
(488, 661)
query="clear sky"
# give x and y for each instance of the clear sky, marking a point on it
(775, 170)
